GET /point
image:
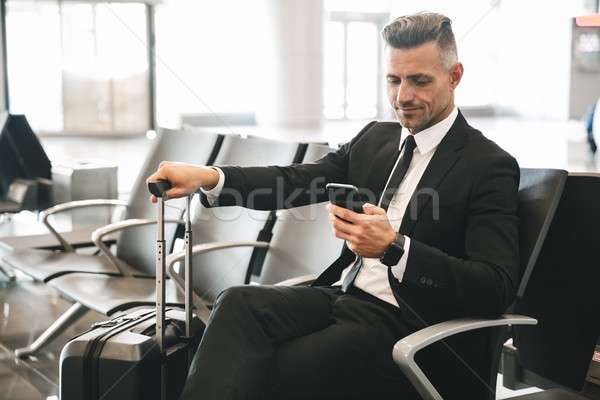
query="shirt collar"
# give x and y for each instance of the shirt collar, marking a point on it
(428, 139)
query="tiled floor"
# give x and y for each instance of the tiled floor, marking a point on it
(27, 307)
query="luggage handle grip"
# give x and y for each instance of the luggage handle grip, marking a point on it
(159, 188)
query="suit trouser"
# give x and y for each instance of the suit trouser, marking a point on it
(276, 342)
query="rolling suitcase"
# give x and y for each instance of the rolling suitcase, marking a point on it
(142, 355)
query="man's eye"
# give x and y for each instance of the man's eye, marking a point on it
(393, 81)
(422, 83)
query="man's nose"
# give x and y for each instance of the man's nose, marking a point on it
(405, 93)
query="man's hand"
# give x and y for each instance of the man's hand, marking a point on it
(367, 234)
(185, 179)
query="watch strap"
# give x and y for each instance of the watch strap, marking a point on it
(392, 254)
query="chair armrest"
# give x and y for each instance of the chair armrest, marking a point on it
(406, 348)
(99, 233)
(70, 206)
(299, 280)
(200, 249)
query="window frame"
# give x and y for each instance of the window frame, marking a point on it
(149, 10)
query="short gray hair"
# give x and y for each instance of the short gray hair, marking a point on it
(411, 31)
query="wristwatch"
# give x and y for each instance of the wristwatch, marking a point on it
(391, 255)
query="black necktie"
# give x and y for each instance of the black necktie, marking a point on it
(397, 176)
(399, 172)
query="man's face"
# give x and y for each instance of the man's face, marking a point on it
(420, 91)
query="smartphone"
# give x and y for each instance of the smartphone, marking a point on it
(347, 196)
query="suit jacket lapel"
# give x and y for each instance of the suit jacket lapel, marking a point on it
(383, 161)
(447, 153)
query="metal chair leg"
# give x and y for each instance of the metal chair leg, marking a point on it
(75, 312)
(7, 273)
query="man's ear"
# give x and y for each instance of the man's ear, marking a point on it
(456, 73)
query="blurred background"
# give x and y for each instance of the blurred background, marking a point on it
(125, 67)
(92, 74)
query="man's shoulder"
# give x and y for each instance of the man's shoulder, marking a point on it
(475, 148)
(486, 154)
(393, 127)
(377, 132)
(477, 140)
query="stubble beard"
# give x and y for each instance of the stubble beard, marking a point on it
(423, 120)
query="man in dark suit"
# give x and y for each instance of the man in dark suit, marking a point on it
(443, 244)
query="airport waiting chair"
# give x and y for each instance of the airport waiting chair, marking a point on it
(562, 294)
(538, 197)
(134, 250)
(288, 234)
(286, 255)
(218, 270)
(167, 144)
(297, 230)
(109, 294)
(44, 265)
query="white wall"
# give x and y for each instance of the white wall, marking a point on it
(535, 57)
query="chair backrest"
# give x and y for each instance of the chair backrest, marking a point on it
(537, 200)
(562, 293)
(303, 242)
(539, 194)
(216, 271)
(315, 151)
(197, 147)
(136, 246)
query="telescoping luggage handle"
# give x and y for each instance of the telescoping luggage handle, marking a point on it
(159, 188)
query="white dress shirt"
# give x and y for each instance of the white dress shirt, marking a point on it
(372, 276)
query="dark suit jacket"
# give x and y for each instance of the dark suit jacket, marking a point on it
(462, 222)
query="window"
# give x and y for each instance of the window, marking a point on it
(352, 73)
(83, 69)
(210, 60)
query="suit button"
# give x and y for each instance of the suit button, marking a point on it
(423, 280)
(429, 282)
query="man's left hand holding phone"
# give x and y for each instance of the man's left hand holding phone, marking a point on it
(346, 196)
(364, 226)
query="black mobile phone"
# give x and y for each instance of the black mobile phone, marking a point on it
(347, 196)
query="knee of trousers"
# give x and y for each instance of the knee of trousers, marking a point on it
(233, 293)
(236, 296)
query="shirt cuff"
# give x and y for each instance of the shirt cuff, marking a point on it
(398, 269)
(212, 194)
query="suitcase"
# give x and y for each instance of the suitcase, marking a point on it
(141, 355)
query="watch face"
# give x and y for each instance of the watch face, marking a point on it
(392, 254)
